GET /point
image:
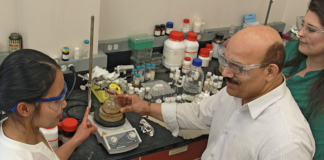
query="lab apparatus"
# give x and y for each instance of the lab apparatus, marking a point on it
(193, 81)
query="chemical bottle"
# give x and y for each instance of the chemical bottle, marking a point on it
(193, 81)
(162, 29)
(174, 50)
(204, 56)
(142, 76)
(202, 28)
(76, 53)
(137, 80)
(169, 28)
(134, 71)
(210, 47)
(185, 26)
(179, 99)
(51, 135)
(208, 76)
(65, 53)
(197, 25)
(192, 45)
(167, 100)
(148, 72)
(173, 100)
(153, 68)
(69, 127)
(186, 64)
(172, 72)
(217, 42)
(86, 48)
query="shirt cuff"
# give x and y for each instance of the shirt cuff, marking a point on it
(169, 113)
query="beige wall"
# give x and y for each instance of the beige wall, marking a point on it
(51, 24)
(120, 18)
(293, 9)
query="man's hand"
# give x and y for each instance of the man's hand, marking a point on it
(132, 103)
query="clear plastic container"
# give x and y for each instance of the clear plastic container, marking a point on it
(86, 48)
(142, 54)
(157, 59)
(141, 41)
(137, 62)
(193, 81)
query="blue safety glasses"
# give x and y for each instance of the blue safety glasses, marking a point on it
(56, 102)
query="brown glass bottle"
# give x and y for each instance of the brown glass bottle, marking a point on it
(157, 31)
(162, 29)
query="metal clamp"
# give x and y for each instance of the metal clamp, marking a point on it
(146, 127)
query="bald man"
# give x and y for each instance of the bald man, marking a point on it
(255, 116)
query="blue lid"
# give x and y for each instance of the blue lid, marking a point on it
(143, 66)
(153, 65)
(134, 70)
(137, 75)
(197, 62)
(169, 24)
(138, 67)
(86, 41)
(67, 48)
(148, 65)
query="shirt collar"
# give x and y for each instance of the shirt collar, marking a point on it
(257, 106)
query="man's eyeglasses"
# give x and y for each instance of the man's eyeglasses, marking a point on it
(236, 68)
(56, 102)
(310, 31)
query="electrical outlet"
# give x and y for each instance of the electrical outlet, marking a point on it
(111, 45)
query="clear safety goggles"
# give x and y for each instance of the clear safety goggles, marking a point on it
(236, 68)
(55, 102)
(310, 31)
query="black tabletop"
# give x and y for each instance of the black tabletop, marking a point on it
(162, 140)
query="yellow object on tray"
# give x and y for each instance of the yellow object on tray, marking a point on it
(102, 95)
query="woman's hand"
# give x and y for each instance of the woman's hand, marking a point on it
(132, 103)
(85, 129)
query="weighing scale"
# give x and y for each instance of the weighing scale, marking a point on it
(117, 139)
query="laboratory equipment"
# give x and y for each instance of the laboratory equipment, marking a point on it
(210, 47)
(186, 64)
(192, 45)
(204, 56)
(157, 31)
(174, 50)
(15, 42)
(85, 48)
(153, 68)
(217, 42)
(157, 59)
(146, 127)
(147, 72)
(197, 25)
(193, 81)
(185, 26)
(162, 29)
(137, 80)
(142, 45)
(65, 54)
(114, 132)
(76, 53)
(169, 28)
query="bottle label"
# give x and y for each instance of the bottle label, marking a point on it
(185, 66)
(215, 49)
(185, 29)
(65, 139)
(157, 33)
(65, 57)
(136, 81)
(163, 32)
(148, 75)
(168, 30)
(196, 28)
(173, 56)
(53, 143)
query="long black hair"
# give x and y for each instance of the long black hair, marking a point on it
(25, 76)
(315, 91)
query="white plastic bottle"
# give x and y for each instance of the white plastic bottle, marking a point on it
(192, 45)
(186, 64)
(197, 25)
(51, 135)
(76, 53)
(204, 56)
(174, 50)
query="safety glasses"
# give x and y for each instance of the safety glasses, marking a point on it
(55, 102)
(236, 68)
(310, 31)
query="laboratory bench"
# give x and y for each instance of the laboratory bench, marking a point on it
(157, 147)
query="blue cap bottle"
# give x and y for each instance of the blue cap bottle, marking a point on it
(197, 62)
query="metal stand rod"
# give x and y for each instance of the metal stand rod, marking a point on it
(90, 61)
(266, 21)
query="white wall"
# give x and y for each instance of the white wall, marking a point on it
(293, 9)
(121, 18)
(48, 26)
(8, 22)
